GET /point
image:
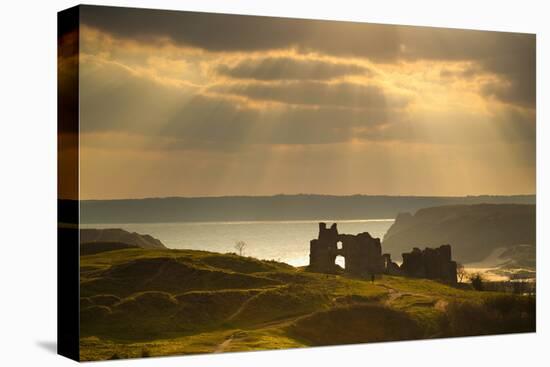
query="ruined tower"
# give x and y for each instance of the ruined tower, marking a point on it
(362, 252)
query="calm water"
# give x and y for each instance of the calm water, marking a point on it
(286, 241)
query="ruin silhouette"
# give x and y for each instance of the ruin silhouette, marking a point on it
(363, 257)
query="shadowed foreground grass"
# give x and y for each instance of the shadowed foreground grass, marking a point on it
(140, 303)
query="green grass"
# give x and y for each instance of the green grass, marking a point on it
(138, 302)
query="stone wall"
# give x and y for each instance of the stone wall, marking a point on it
(430, 263)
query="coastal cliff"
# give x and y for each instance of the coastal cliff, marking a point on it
(117, 235)
(473, 230)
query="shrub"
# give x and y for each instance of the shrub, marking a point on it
(494, 315)
(477, 281)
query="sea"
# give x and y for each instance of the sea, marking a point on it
(285, 241)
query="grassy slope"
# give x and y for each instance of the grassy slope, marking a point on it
(138, 302)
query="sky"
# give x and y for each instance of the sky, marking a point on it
(196, 104)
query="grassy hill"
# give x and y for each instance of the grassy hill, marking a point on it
(147, 302)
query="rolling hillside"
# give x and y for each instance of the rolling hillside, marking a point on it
(147, 302)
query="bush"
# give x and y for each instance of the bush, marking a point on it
(494, 315)
(477, 281)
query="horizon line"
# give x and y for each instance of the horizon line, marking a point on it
(302, 194)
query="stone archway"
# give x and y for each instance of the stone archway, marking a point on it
(341, 261)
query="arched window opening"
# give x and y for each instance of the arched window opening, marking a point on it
(341, 261)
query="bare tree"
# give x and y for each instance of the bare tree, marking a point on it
(240, 246)
(460, 272)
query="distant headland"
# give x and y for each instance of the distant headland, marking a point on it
(277, 207)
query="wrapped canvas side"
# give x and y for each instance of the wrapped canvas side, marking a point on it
(67, 185)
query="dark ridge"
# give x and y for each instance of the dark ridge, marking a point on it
(278, 207)
(117, 235)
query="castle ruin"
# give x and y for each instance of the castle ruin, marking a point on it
(363, 256)
(362, 253)
(430, 263)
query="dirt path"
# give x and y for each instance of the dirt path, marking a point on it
(394, 294)
(220, 348)
(245, 303)
(441, 305)
(243, 306)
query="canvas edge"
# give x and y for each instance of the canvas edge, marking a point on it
(68, 275)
